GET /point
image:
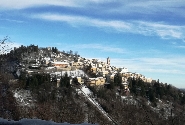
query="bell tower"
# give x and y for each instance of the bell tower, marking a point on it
(108, 61)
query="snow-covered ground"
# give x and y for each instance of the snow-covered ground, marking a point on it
(86, 90)
(129, 100)
(88, 94)
(23, 97)
(35, 122)
(162, 108)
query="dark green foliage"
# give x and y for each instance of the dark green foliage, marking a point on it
(101, 93)
(55, 50)
(33, 81)
(75, 80)
(182, 99)
(93, 89)
(155, 91)
(65, 81)
(58, 104)
(152, 95)
(8, 105)
(117, 79)
(111, 85)
(22, 80)
(17, 54)
(71, 52)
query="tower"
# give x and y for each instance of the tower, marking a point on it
(108, 61)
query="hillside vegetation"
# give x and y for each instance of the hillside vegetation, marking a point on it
(145, 103)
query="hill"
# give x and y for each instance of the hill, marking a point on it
(47, 84)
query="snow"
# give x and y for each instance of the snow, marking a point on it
(123, 97)
(166, 106)
(129, 100)
(86, 90)
(87, 93)
(23, 97)
(35, 122)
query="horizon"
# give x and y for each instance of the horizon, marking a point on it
(147, 37)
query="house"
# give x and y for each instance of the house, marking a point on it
(77, 65)
(93, 69)
(122, 70)
(96, 81)
(127, 74)
(148, 80)
(80, 80)
(60, 64)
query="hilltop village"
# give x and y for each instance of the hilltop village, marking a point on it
(51, 61)
(46, 83)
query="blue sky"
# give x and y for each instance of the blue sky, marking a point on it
(146, 36)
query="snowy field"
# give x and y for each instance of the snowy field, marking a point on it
(35, 122)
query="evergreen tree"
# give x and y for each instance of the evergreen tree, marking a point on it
(22, 80)
(111, 85)
(65, 81)
(118, 79)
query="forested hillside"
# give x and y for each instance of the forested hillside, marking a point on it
(38, 96)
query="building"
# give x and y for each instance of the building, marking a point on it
(123, 70)
(148, 80)
(77, 65)
(108, 61)
(80, 80)
(96, 81)
(93, 69)
(60, 64)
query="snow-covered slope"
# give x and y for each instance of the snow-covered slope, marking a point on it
(88, 94)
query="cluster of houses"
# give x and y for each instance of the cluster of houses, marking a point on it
(56, 64)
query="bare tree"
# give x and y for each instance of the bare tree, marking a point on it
(5, 45)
